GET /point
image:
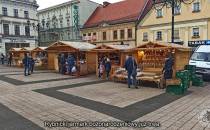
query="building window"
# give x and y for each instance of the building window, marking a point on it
(122, 34)
(176, 34)
(145, 36)
(89, 34)
(4, 11)
(159, 36)
(104, 35)
(6, 29)
(94, 36)
(196, 7)
(26, 14)
(159, 13)
(84, 35)
(115, 34)
(177, 10)
(27, 30)
(61, 23)
(17, 30)
(196, 33)
(130, 34)
(68, 22)
(15, 12)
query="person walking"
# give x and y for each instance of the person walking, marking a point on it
(9, 59)
(131, 67)
(31, 64)
(2, 58)
(26, 65)
(108, 68)
(59, 63)
(71, 63)
(100, 69)
(63, 64)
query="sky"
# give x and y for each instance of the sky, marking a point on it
(47, 3)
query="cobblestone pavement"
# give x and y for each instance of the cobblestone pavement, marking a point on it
(26, 102)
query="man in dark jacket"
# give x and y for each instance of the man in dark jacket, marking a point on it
(26, 64)
(31, 64)
(9, 59)
(168, 68)
(71, 63)
(131, 67)
(108, 68)
(63, 62)
(59, 63)
(2, 58)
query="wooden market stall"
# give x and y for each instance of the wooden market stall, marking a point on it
(85, 60)
(39, 54)
(151, 57)
(18, 54)
(116, 53)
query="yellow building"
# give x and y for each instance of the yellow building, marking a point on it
(114, 23)
(192, 23)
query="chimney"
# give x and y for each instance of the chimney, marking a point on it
(105, 3)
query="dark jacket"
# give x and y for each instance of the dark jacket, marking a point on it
(130, 65)
(2, 56)
(26, 61)
(108, 66)
(168, 68)
(71, 61)
(63, 60)
(31, 61)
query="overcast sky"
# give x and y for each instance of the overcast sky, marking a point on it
(47, 3)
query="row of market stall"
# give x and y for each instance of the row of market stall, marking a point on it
(150, 57)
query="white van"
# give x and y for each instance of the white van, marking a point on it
(201, 59)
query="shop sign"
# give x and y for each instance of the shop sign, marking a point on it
(198, 43)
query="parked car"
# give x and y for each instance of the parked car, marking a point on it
(201, 59)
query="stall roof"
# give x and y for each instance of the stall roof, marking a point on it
(161, 45)
(113, 48)
(28, 48)
(82, 46)
(39, 49)
(15, 49)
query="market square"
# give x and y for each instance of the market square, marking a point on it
(104, 65)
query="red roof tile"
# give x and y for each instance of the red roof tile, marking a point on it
(124, 11)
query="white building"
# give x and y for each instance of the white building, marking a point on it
(18, 22)
(63, 21)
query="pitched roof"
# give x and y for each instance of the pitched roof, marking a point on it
(81, 46)
(39, 49)
(161, 45)
(124, 11)
(113, 48)
(28, 48)
(15, 49)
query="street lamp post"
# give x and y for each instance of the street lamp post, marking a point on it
(36, 27)
(159, 4)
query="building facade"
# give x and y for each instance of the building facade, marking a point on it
(63, 22)
(114, 23)
(192, 24)
(17, 24)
